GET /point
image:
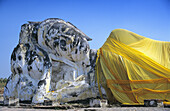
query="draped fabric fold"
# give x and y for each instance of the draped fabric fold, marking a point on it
(134, 67)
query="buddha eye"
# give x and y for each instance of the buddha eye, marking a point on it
(55, 38)
(62, 43)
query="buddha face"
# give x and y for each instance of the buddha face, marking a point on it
(63, 39)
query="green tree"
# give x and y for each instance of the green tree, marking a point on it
(4, 80)
(1, 80)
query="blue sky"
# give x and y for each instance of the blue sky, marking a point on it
(96, 18)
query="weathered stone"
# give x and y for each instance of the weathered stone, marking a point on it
(12, 101)
(53, 61)
(98, 103)
(153, 103)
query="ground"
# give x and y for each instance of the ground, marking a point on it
(13, 108)
(92, 109)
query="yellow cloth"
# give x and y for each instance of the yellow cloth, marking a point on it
(134, 67)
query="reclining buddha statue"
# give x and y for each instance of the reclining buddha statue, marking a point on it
(53, 61)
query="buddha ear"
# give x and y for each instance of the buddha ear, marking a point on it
(34, 30)
(34, 26)
(24, 33)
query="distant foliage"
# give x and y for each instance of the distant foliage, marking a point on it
(2, 84)
(3, 80)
